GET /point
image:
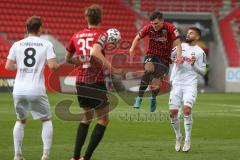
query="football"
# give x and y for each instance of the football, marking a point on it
(114, 35)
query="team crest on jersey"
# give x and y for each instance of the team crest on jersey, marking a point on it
(193, 54)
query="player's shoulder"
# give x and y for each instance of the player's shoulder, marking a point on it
(101, 32)
(47, 42)
(38, 40)
(147, 26)
(79, 33)
(18, 43)
(169, 25)
(199, 49)
(101, 35)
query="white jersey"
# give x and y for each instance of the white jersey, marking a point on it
(31, 55)
(185, 73)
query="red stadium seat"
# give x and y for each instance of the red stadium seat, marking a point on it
(181, 6)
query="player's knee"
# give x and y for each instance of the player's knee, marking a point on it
(187, 110)
(87, 119)
(149, 67)
(45, 119)
(173, 113)
(23, 121)
(103, 120)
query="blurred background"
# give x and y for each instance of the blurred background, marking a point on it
(219, 21)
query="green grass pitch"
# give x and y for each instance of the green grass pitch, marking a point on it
(215, 135)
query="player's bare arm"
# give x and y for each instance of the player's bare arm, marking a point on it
(179, 58)
(10, 65)
(52, 64)
(134, 44)
(97, 52)
(70, 59)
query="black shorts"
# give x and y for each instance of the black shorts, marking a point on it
(160, 68)
(92, 95)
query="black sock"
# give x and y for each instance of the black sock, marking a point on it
(96, 137)
(80, 139)
(142, 89)
(155, 93)
(144, 83)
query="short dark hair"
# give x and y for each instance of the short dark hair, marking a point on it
(196, 30)
(93, 14)
(33, 24)
(156, 14)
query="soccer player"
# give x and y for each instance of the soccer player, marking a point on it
(184, 86)
(161, 35)
(28, 56)
(88, 45)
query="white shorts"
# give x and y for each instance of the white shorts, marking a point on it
(37, 105)
(182, 95)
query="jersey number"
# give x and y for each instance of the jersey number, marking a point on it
(84, 48)
(29, 59)
(85, 45)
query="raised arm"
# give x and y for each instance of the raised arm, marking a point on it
(179, 58)
(134, 44)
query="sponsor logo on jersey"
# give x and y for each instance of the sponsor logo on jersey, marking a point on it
(164, 31)
(160, 39)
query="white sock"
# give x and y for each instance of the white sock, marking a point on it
(18, 134)
(175, 121)
(188, 127)
(47, 132)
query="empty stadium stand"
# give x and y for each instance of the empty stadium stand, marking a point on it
(182, 5)
(63, 18)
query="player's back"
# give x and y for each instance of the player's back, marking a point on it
(31, 54)
(82, 43)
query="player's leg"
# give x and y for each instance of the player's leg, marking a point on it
(21, 108)
(146, 78)
(188, 127)
(154, 93)
(40, 109)
(98, 131)
(189, 97)
(47, 133)
(86, 105)
(160, 69)
(101, 111)
(175, 100)
(82, 131)
(18, 134)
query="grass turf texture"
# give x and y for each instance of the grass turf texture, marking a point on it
(215, 132)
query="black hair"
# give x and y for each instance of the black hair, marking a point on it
(156, 14)
(94, 14)
(196, 30)
(33, 24)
